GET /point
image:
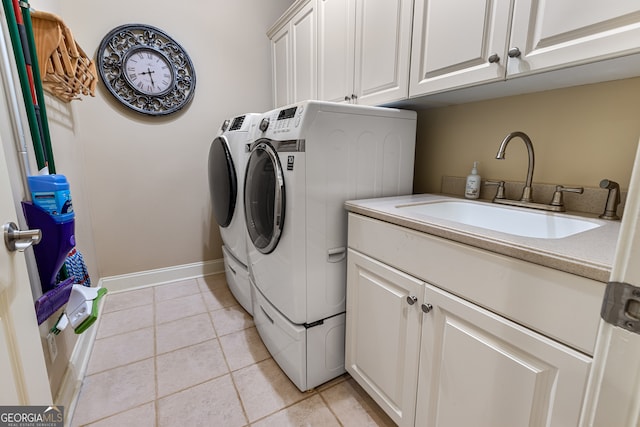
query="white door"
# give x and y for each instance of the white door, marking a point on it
(23, 373)
(458, 43)
(382, 50)
(22, 366)
(383, 334)
(613, 395)
(281, 67)
(551, 34)
(336, 21)
(480, 369)
(303, 45)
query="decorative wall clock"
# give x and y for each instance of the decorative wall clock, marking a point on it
(146, 70)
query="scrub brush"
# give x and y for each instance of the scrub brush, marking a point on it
(81, 310)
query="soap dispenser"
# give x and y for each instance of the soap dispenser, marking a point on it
(472, 189)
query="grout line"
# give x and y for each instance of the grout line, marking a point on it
(156, 408)
(329, 406)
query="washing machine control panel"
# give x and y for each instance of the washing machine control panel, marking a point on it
(285, 121)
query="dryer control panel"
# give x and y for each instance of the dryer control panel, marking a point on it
(282, 122)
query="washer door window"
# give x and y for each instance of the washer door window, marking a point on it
(223, 183)
(264, 197)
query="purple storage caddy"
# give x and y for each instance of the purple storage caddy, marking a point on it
(57, 240)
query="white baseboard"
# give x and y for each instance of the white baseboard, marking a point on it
(143, 279)
(69, 390)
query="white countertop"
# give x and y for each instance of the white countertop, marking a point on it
(588, 254)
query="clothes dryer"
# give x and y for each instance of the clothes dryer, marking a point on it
(227, 160)
(306, 161)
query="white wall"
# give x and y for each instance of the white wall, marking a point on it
(145, 178)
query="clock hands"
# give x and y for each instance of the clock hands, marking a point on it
(150, 76)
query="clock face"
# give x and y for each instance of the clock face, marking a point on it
(146, 70)
(149, 71)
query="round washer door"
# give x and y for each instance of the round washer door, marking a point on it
(223, 183)
(264, 197)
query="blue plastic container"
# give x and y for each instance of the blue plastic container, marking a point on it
(51, 194)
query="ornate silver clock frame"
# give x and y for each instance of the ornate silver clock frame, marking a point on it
(146, 70)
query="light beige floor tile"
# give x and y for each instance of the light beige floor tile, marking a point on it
(214, 403)
(128, 299)
(231, 319)
(177, 308)
(142, 416)
(126, 320)
(353, 406)
(212, 281)
(114, 391)
(120, 350)
(264, 389)
(189, 366)
(216, 293)
(310, 412)
(183, 333)
(243, 348)
(333, 382)
(176, 289)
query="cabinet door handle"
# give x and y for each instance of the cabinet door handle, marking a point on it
(493, 59)
(411, 299)
(514, 52)
(426, 307)
(347, 98)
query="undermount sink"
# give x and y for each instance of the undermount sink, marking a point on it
(515, 221)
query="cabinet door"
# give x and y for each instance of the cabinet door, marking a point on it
(552, 34)
(303, 46)
(454, 43)
(383, 334)
(382, 50)
(479, 369)
(336, 21)
(281, 66)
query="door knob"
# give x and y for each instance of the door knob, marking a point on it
(514, 52)
(15, 239)
(426, 307)
(494, 59)
(411, 299)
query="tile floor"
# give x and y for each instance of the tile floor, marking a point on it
(186, 354)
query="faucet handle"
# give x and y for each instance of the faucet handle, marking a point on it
(499, 191)
(556, 200)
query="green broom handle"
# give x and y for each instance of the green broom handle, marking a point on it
(24, 82)
(26, 17)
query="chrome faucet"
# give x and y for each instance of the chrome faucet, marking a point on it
(526, 191)
(613, 199)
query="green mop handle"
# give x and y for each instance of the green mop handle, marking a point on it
(24, 82)
(26, 17)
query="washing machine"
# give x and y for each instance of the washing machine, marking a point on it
(227, 160)
(307, 160)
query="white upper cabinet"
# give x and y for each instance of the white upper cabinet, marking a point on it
(550, 34)
(457, 43)
(364, 50)
(460, 43)
(336, 49)
(293, 53)
(281, 66)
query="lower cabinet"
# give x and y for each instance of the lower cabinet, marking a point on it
(383, 334)
(430, 358)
